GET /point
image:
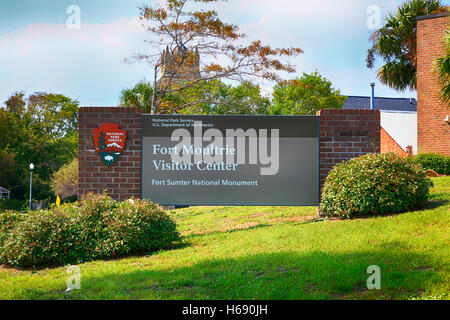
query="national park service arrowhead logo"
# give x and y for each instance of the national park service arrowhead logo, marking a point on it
(109, 142)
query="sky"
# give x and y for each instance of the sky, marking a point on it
(39, 51)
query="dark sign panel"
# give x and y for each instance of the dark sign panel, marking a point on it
(230, 160)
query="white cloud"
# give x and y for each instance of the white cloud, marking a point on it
(50, 57)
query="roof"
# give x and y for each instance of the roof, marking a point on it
(3, 190)
(386, 104)
(432, 16)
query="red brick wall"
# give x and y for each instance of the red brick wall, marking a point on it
(388, 144)
(433, 134)
(123, 179)
(346, 134)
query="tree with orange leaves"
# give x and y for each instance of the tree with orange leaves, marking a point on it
(185, 35)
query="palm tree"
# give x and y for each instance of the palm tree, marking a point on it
(396, 44)
(139, 96)
(442, 67)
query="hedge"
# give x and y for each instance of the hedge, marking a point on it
(99, 228)
(433, 161)
(374, 184)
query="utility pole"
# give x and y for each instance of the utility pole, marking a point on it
(372, 97)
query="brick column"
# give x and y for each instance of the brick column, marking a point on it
(433, 134)
(123, 179)
(346, 134)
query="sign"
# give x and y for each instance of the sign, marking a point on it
(109, 142)
(230, 160)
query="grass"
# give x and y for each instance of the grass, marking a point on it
(270, 253)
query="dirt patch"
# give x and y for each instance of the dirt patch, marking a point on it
(291, 219)
(256, 273)
(10, 269)
(259, 214)
(427, 268)
(232, 225)
(5, 269)
(357, 290)
(255, 215)
(431, 173)
(242, 226)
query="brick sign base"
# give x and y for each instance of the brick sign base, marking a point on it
(123, 179)
(344, 134)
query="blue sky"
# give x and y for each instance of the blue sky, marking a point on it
(39, 53)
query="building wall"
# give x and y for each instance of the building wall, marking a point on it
(401, 128)
(433, 134)
(388, 144)
(346, 134)
(123, 179)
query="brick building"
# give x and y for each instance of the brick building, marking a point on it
(433, 131)
(398, 118)
(398, 132)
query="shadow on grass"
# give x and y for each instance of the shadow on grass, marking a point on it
(280, 275)
(433, 204)
(173, 246)
(248, 225)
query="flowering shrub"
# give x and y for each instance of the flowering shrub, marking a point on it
(99, 228)
(374, 184)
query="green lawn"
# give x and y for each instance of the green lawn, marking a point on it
(270, 253)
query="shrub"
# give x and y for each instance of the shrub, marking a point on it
(433, 161)
(8, 220)
(99, 228)
(374, 184)
(43, 238)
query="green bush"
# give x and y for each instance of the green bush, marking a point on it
(374, 184)
(8, 220)
(97, 229)
(433, 161)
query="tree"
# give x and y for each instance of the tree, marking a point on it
(216, 97)
(41, 129)
(65, 181)
(7, 165)
(396, 44)
(442, 67)
(187, 35)
(305, 96)
(139, 96)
